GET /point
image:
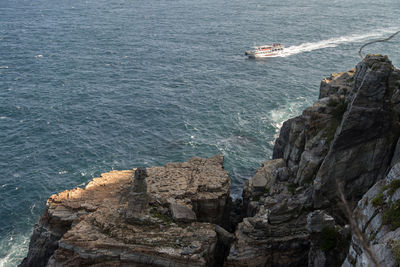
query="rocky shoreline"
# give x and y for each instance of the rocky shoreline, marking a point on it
(340, 154)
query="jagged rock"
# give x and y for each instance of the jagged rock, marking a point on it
(283, 140)
(364, 141)
(226, 237)
(348, 136)
(89, 227)
(166, 216)
(137, 198)
(337, 83)
(382, 235)
(264, 178)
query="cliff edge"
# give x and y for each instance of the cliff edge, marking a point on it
(329, 197)
(334, 152)
(163, 216)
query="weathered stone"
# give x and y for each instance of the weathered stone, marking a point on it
(181, 213)
(319, 219)
(380, 238)
(348, 136)
(226, 237)
(137, 198)
(282, 142)
(265, 177)
(364, 141)
(293, 216)
(337, 83)
(89, 226)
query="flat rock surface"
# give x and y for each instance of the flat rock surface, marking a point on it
(99, 232)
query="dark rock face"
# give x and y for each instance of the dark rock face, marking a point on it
(138, 200)
(378, 215)
(44, 239)
(347, 137)
(365, 140)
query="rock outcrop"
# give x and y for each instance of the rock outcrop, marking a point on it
(164, 216)
(340, 156)
(378, 215)
(344, 143)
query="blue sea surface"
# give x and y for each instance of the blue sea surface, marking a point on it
(97, 85)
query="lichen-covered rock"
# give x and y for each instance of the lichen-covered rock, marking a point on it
(91, 227)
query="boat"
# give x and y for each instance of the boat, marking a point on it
(265, 51)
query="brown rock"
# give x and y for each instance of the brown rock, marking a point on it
(93, 226)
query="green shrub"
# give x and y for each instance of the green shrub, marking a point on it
(378, 200)
(340, 110)
(391, 216)
(393, 186)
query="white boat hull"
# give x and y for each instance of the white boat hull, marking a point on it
(265, 51)
(263, 55)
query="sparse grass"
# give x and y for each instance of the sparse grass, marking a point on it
(162, 217)
(396, 252)
(340, 109)
(373, 236)
(391, 216)
(331, 130)
(378, 200)
(337, 116)
(393, 186)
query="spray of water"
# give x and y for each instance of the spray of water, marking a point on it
(333, 42)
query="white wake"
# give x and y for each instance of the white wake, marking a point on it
(333, 42)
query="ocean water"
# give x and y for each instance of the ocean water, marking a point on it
(96, 85)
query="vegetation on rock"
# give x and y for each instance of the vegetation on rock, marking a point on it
(392, 187)
(391, 216)
(378, 200)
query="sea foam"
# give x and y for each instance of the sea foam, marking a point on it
(333, 42)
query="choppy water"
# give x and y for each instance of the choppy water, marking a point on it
(91, 86)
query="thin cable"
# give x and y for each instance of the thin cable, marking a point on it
(376, 41)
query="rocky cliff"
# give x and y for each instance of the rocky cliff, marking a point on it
(163, 216)
(329, 197)
(341, 146)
